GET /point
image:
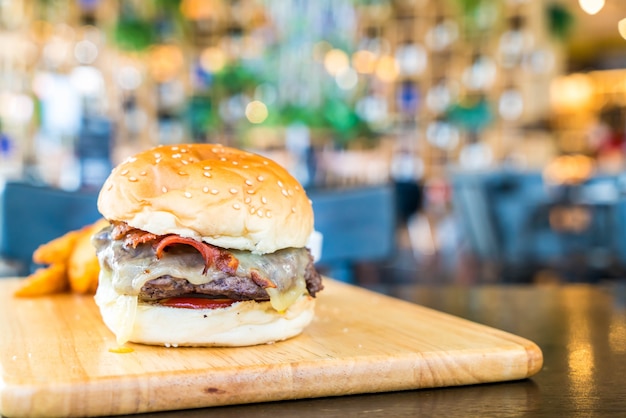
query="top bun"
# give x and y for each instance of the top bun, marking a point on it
(223, 196)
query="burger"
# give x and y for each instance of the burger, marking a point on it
(206, 246)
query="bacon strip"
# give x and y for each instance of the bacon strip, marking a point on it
(264, 282)
(136, 236)
(223, 260)
(119, 229)
(132, 236)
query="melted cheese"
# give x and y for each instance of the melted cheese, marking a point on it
(129, 270)
(123, 308)
(281, 300)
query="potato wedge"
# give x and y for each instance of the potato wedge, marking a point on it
(73, 265)
(45, 281)
(58, 250)
(83, 267)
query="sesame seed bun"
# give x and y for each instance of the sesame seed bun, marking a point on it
(223, 196)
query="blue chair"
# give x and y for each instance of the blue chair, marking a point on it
(496, 210)
(357, 224)
(32, 215)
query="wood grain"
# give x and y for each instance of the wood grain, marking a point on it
(56, 358)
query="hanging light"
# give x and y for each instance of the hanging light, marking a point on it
(591, 6)
(621, 26)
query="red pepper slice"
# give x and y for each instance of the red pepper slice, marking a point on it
(196, 303)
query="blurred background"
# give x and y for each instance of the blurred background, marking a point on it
(441, 141)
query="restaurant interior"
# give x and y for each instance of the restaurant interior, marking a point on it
(457, 141)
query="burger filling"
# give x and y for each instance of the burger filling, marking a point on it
(160, 269)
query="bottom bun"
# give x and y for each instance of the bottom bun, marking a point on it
(241, 324)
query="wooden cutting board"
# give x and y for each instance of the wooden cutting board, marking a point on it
(58, 359)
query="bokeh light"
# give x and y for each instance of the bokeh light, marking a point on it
(571, 92)
(347, 79)
(213, 59)
(165, 62)
(336, 61)
(364, 61)
(387, 69)
(591, 7)
(569, 169)
(256, 112)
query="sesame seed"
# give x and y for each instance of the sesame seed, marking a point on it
(132, 159)
(237, 206)
(183, 150)
(265, 162)
(214, 191)
(249, 183)
(284, 192)
(157, 155)
(280, 183)
(214, 150)
(259, 213)
(132, 178)
(174, 148)
(250, 191)
(297, 187)
(264, 200)
(260, 178)
(184, 162)
(233, 190)
(246, 166)
(182, 173)
(176, 155)
(188, 195)
(206, 174)
(143, 173)
(206, 167)
(252, 210)
(293, 209)
(223, 159)
(164, 189)
(205, 189)
(290, 192)
(158, 160)
(268, 214)
(235, 162)
(247, 200)
(124, 172)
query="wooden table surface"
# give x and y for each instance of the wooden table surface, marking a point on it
(580, 328)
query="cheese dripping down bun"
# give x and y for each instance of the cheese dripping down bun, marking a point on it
(223, 196)
(243, 203)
